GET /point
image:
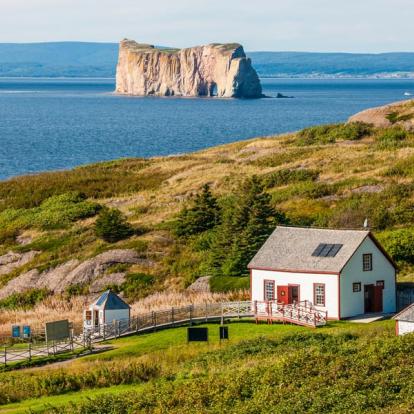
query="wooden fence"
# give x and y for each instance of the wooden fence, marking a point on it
(405, 295)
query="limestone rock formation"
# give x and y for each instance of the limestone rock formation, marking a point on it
(395, 114)
(74, 273)
(221, 70)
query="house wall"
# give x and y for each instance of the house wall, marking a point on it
(404, 327)
(305, 281)
(352, 303)
(116, 315)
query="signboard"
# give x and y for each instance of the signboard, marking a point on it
(224, 332)
(197, 334)
(58, 330)
(26, 331)
(15, 331)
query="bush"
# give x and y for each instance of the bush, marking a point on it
(229, 283)
(391, 138)
(399, 244)
(286, 176)
(24, 300)
(112, 226)
(328, 134)
(137, 285)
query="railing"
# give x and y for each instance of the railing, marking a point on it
(28, 351)
(301, 313)
(172, 317)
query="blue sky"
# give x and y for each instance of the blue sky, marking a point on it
(306, 25)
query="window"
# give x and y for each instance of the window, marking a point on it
(367, 262)
(380, 283)
(269, 290)
(319, 294)
(356, 287)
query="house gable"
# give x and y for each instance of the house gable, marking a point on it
(383, 270)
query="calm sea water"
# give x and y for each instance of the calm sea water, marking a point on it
(56, 124)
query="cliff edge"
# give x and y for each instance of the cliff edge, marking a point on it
(221, 70)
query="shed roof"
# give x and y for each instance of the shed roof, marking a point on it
(406, 314)
(110, 300)
(293, 249)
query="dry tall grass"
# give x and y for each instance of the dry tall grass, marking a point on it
(56, 308)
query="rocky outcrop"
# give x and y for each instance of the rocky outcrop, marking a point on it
(12, 260)
(396, 114)
(73, 272)
(221, 70)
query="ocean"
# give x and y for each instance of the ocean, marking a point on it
(51, 124)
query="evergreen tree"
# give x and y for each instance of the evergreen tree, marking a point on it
(202, 216)
(112, 226)
(244, 229)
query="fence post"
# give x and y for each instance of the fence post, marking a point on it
(137, 326)
(172, 316)
(191, 315)
(222, 314)
(206, 312)
(154, 321)
(5, 355)
(238, 310)
(30, 351)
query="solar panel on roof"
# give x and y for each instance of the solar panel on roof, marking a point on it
(327, 250)
(335, 249)
(318, 250)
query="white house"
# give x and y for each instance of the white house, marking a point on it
(404, 321)
(109, 307)
(343, 272)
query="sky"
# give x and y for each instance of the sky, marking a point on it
(289, 25)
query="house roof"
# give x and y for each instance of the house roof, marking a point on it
(110, 300)
(406, 314)
(293, 249)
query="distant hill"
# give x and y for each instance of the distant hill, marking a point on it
(68, 59)
(339, 64)
(82, 59)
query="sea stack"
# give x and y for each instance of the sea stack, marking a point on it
(221, 70)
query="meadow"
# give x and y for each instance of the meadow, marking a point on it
(340, 368)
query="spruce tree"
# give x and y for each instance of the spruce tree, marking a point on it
(202, 216)
(244, 229)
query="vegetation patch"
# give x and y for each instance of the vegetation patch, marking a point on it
(287, 176)
(229, 283)
(24, 300)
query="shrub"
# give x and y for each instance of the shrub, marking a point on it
(229, 283)
(112, 226)
(24, 300)
(391, 138)
(328, 134)
(399, 244)
(286, 176)
(137, 285)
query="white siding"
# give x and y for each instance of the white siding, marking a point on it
(405, 327)
(352, 303)
(116, 315)
(305, 281)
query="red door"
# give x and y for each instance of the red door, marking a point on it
(377, 298)
(283, 294)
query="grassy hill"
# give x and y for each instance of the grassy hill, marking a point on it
(328, 176)
(341, 368)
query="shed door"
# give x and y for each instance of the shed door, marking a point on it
(378, 298)
(283, 294)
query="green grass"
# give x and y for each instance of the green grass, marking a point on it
(365, 369)
(38, 405)
(229, 283)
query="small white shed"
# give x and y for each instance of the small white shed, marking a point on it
(109, 307)
(404, 321)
